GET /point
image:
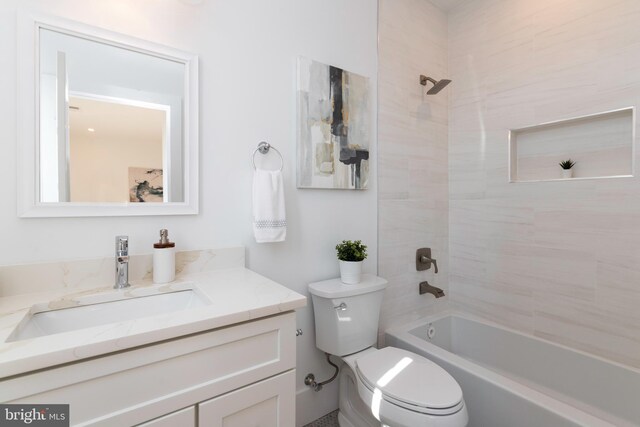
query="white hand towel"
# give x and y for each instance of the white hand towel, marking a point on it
(269, 220)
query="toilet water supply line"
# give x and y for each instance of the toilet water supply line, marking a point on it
(310, 379)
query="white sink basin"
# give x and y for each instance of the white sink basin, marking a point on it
(87, 316)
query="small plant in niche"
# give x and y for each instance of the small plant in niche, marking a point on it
(351, 251)
(567, 164)
(350, 256)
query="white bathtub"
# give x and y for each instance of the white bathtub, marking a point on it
(511, 379)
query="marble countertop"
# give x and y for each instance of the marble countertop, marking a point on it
(235, 295)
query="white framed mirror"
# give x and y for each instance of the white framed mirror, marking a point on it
(107, 123)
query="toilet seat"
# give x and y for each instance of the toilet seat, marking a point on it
(410, 381)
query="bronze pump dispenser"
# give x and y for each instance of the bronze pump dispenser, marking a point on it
(164, 240)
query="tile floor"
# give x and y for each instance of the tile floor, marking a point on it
(329, 420)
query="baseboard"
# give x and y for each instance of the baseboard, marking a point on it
(311, 405)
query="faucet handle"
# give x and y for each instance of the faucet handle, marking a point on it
(424, 260)
(122, 244)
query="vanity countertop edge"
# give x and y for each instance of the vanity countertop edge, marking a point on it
(236, 295)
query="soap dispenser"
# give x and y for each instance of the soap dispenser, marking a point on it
(164, 259)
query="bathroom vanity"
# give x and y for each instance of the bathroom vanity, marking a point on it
(228, 360)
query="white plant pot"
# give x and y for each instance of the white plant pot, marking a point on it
(567, 173)
(350, 272)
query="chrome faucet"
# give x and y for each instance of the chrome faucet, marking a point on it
(122, 262)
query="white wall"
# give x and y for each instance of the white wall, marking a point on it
(413, 179)
(556, 259)
(247, 54)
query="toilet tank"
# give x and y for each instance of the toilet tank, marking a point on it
(346, 316)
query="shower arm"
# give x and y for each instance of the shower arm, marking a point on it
(425, 79)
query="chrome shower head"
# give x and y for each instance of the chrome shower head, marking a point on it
(437, 85)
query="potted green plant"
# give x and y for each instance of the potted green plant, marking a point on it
(350, 256)
(566, 166)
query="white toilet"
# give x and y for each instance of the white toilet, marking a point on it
(388, 387)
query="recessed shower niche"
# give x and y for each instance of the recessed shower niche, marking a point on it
(600, 144)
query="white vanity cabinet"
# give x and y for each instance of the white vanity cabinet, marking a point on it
(239, 375)
(268, 403)
(183, 418)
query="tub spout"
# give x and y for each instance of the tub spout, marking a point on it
(426, 288)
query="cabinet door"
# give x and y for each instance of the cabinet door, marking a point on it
(163, 377)
(184, 418)
(268, 403)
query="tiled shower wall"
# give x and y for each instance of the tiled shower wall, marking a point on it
(560, 260)
(412, 146)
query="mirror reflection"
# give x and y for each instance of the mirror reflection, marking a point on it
(111, 123)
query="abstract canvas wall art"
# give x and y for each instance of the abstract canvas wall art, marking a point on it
(334, 127)
(145, 185)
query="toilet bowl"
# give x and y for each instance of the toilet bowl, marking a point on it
(403, 389)
(386, 387)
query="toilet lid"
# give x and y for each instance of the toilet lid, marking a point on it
(409, 378)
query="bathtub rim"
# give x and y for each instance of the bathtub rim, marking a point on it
(474, 318)
(538, 398)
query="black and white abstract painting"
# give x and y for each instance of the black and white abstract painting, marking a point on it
(334, 127)
(145, 185)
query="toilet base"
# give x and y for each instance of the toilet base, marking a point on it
(353, 412)
(343, 421)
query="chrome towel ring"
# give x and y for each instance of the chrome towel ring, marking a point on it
(263, 148)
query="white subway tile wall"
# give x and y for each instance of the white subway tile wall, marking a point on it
(413, 177)
(559, 260)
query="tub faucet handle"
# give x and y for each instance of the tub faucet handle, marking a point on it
(424, 260)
